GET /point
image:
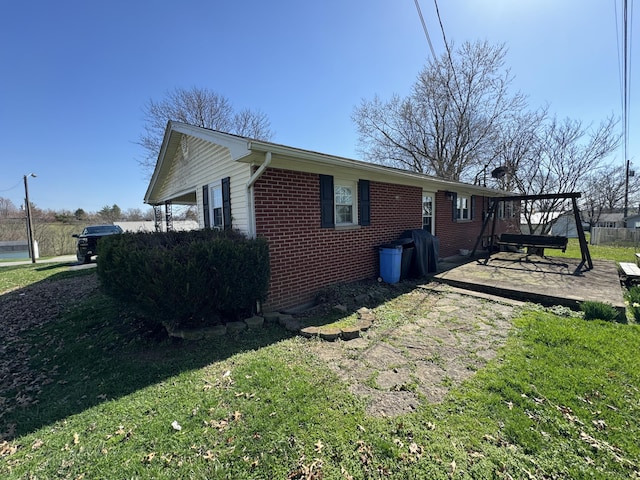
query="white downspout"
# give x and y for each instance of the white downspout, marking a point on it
(256, 175)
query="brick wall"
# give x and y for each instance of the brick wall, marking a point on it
(462, 234)
(306, 258)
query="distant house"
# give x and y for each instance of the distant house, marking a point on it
(323, 216)
(610, 220)
(538, 221)
(633, 221)
(565, 225)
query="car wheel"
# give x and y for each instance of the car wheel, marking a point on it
(87, 259)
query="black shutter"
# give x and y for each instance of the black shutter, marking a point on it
(364, 203)
(472, 207)
(454, 203)
(326, 201)
(226, 203)
(205, 206)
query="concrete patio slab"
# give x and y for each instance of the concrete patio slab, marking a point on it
(545, 280)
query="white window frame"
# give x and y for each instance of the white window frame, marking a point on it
(215, 196)
(463, 207)
(351, 185)
(432, 213)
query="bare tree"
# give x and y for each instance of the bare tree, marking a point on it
(450, 123)
(7, 208)
(200, 107)
(565, 154)
(604, 192)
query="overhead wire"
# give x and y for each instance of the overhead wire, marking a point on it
(424, 28)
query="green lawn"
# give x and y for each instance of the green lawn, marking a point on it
(602, 252)
(110, 397)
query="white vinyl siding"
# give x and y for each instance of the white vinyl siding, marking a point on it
(214, 163)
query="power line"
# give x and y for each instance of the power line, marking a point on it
(624, 60)
(424, 27)
(15, 186)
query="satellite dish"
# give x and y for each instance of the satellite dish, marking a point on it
(499, 172)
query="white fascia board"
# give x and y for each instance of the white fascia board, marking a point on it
(330, 160)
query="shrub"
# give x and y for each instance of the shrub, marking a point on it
(633, 299)
(599, 311)
(186, 279)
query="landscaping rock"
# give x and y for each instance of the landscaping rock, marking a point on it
(271, 317)
(329, 334)
(215, 331)
(340, 308)
(254, 322)
(349, 333)
(309, 332)
(362, 298)
(234, 327)
(292, 325)
(363, 325)
(284, 318)
(195, 334)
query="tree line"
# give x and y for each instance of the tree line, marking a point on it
(53, 229)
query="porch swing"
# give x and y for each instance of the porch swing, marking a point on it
(535, 243)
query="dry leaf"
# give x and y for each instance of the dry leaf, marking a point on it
(237, 415)
(149, 457)
(319, 446)
(415, 449)
(37, 444)
(76, 439)
(599, 424)
(176, 426)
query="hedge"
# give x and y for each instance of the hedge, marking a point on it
(186, 279)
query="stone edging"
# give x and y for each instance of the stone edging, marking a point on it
(365, 321)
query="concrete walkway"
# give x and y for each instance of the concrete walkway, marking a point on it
(71, 259)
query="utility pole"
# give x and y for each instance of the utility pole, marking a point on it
(32, 253)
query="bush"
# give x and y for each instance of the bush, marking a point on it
(186, 279)
(599, 311)
(633, 299)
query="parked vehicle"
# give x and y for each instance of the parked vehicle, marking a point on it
(88, 240)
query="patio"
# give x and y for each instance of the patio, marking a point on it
(545, 280)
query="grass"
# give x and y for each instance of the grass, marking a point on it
(112, 398)
(601, 252)
(18, 276)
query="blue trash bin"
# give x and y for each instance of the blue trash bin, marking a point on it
(390, 262)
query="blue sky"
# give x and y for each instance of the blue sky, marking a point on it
(75, 74)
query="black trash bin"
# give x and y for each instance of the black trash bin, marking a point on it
(427, 250)
(408, 248)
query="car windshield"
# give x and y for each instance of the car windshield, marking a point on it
(101, 230)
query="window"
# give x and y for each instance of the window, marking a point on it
(462, 208)
(505, 210)
(343, 203)
(427, 211)
(216, 207)
(216, 204)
